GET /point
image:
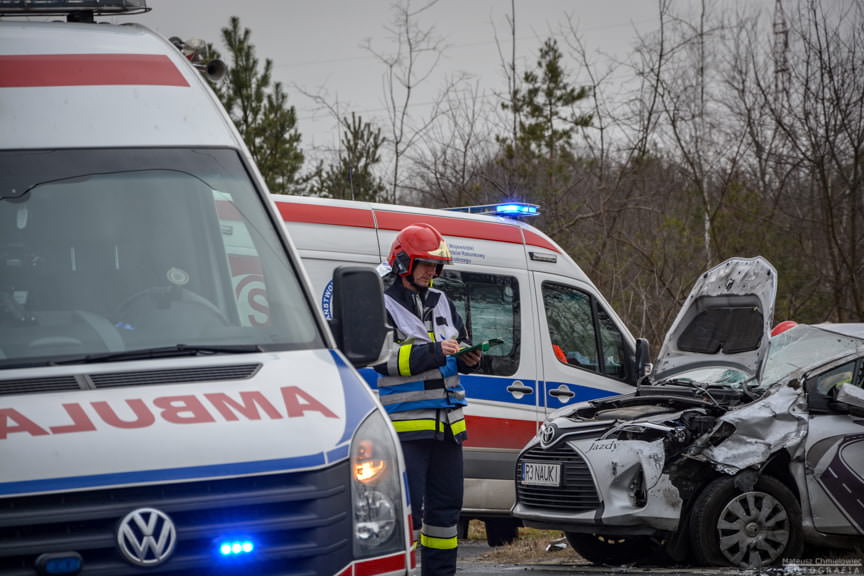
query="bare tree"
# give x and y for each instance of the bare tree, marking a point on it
(417, 52)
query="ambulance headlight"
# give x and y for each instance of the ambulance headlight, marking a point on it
(376, 489)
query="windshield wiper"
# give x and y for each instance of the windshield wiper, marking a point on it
(161, 352)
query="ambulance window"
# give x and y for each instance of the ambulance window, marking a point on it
(115, 250)
(582, 333)
(570, 317)
(489, 306)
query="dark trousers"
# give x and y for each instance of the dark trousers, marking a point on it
(435, 487)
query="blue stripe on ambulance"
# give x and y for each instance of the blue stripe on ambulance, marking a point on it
(163, 474)
(494, 388)
(358, 402)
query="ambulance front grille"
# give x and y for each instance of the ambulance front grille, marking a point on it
(175, 375)
(576, 493)
(301, 524)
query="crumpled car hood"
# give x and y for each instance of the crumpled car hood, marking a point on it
(725, 319)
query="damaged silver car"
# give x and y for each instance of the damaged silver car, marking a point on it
(741, 450)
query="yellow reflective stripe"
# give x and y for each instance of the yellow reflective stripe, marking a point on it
(458, 427)
(417, 425)
(405, 360)
(439, 543)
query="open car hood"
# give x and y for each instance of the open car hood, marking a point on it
(726, 320)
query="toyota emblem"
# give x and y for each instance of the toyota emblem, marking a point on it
(547, 433)
(146, 537)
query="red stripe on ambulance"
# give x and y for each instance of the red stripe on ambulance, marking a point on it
(182, 409)
(32, 70)
(334, 215)
(485, 432)
(386, 220)
(451, 226)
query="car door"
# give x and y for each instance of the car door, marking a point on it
(835, 451)
(584, 350)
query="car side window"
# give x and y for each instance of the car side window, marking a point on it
(489, 306)
(582, 332)
(821, 388)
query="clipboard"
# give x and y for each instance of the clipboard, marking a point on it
(482, 346)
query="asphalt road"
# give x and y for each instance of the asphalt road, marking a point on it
(470, 564)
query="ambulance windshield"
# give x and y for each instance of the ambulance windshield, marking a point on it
(111, 251)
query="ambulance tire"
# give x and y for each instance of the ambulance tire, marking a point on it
(745, 527)
(612, 550)
(501, 531)
(462, 528)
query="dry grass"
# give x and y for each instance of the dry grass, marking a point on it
(529, 548)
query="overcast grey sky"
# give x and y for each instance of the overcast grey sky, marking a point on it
(316, 45)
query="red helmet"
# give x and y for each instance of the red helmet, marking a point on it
(782, 327)
(418, 243)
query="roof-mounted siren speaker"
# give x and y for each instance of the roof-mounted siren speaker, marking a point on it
(198, 53)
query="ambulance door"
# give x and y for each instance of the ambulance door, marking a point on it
(504, 406)
(584, 352)
(834, 470)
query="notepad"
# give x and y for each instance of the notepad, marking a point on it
(483, 346)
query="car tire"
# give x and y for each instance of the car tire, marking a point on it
(745, 527)
(612, 550)
(501, 531)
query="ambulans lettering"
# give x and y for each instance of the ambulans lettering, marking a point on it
(248, 406)
(185, 409)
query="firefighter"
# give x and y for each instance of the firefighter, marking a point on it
(419, 387)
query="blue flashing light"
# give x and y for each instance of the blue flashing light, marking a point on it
(236, 548)
(508, 209)
(520, 209)
(59, 564)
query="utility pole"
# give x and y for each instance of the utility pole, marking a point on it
(779, 54)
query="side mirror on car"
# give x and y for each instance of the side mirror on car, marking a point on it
(359, 322)
(644, 367)
(851, 396)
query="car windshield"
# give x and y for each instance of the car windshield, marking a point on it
(111, 251)
(801, 347)
(710, 375)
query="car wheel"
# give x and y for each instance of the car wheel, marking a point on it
(501, 531)
(748, 528)
(613, 550)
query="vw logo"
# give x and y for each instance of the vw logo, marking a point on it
(146, 537)
(547, 433)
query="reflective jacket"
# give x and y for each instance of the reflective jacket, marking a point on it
(418, 385)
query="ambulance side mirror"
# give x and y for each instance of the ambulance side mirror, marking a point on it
(359, 322)
(644, 367)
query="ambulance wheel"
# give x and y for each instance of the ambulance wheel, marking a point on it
(501, 531)
(612, 550)
(462, 528)
(745, 527)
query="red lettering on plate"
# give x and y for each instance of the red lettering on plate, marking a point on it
(294, 408)
(80, 421)
(247, 405)
(183, 410)
(143, 416)
(10, 416)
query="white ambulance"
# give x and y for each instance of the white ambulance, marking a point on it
(563, 342)
(171, 399)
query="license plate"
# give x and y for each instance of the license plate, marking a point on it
(541, 474)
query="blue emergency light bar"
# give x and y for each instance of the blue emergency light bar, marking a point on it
(508, 209)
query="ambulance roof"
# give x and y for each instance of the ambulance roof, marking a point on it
(545, 253)
(72, 85)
